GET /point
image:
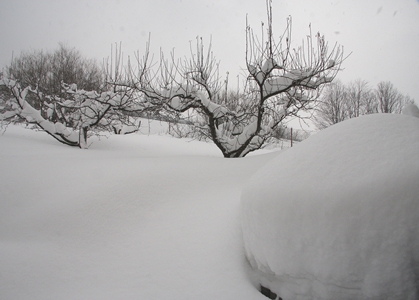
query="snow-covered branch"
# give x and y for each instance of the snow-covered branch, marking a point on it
(20, 107)
(72, 119)
(280, 82)
(276, 67)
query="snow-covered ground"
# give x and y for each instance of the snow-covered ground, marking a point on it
(149, 216)
(133, 217)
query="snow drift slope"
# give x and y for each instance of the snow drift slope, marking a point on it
(337, 216)
(133, 217)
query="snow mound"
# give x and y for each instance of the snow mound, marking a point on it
(336, 217)
(411, 110)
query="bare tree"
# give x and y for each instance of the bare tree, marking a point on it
(68, 65)
(332, 107)
(388, 98)
(340, 102)
(280, 82)
(360, 99)
(46, 71)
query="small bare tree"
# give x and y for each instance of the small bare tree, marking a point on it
(332, 107)
(360, 99)
(388, 98)
(281, 81)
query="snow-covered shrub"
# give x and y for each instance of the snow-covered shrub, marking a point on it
(336, 217)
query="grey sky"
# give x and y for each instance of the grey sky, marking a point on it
(383, 35)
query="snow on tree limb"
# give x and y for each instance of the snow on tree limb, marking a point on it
(280, 82)
(26, 111)
(213, 108)
(70, 120)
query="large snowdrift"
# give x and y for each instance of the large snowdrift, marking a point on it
(337, 216)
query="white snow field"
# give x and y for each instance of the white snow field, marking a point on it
(132, 217)
(337, 216)
(148, 216)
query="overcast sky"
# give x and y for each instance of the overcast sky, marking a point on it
(383, 35)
